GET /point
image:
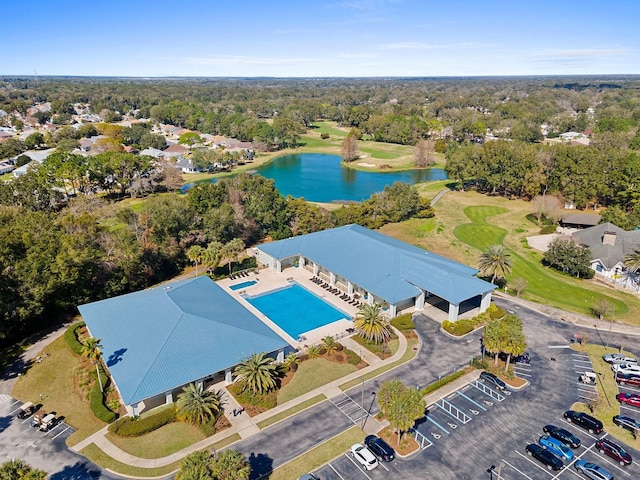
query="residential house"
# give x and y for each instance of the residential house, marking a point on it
(608, 245)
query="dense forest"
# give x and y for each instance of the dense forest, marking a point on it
(68, 239)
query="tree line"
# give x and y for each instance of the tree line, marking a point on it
(58, 254)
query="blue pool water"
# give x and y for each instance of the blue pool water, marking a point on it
(295, 309)
(238, 286)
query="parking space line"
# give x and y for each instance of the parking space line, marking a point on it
(471, 400)
(57, 435)
(357, 466)
(523, 374)
(535, 464)
(559, 346)
(631, 409)
(336, 471)
(519, 471)
(437, 424)
(580, 355)
(597, 453)
(383, 466)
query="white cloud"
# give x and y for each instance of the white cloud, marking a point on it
(581, 53)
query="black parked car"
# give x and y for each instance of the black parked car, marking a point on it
(589, 423)
(627, 423)
(563, 435)
(493, 380)
(380, 448)
(545, 456)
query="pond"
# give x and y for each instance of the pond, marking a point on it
(319, 177)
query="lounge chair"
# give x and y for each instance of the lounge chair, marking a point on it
(231, 276)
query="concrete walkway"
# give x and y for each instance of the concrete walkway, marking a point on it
(243, 424)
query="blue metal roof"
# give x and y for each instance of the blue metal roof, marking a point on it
(164, 337)
(388, 268)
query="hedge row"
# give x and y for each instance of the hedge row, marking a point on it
(136, 426)
(465, 325)
(96, 400)
(442, 382)
(71, 337)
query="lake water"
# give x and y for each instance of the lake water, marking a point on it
(319, 177)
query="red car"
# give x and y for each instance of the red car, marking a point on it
(615, 451)
(632, 399)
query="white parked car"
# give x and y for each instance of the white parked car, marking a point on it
(618, 358)
(626, 368)
(364, 456)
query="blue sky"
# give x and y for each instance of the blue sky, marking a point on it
(321, 38)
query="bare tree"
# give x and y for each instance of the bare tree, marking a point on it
(519, 285)
(548, 206)
(424, 153)
(350, 150)
(602, 308)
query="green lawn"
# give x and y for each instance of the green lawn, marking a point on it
(376, 153)
(544, 284)
(291, 411)
(54, 378)
(164, 441)
(479, 233)
(390, 347)
(330, 128)
(312, 374)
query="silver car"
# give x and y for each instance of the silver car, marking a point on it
(618, 358)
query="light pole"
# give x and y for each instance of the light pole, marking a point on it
(373, 399)
(490, 470)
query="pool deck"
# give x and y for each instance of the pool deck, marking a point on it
(269, 280)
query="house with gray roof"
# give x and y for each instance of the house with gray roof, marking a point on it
(580, 220)
(382, 270)
(157, 340)
(608, 245)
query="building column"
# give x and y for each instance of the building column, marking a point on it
(278, 266)
(393, 310)
(228, 377)
(349, 288)
(332, 278)
(419, 303)
(135, 409)
(301, 261)
(370, 299)
(280, 356)
(315, 269)
(485, 302)
(453, 312)
(168, 397)
(200, 384)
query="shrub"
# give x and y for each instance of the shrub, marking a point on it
(71, 337)
(96, 401)
(247, 397)
(496, 312)
(324, 135)
(443, 381)
(403, 322)
(136, 426)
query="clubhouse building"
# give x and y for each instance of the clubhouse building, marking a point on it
(160, 339)
(381, 269)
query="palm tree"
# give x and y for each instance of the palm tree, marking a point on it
(631, 261)
(92, 350)
(258, 373)
(291, 361)
(313, 351)
(19, 470)
(195, 466)
(230, 465)
(231, 250)
(198, 406)
(330, 345)
(211, 256)
(496, 260)
(196, 254)
(370, 324)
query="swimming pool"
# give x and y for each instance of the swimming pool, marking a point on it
(238, 286)
(295, 309)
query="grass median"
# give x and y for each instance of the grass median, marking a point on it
(291, 411)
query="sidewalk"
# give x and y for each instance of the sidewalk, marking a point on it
(243, 424)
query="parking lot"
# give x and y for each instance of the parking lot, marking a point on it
(59, 431)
